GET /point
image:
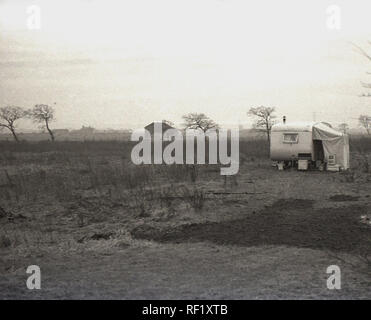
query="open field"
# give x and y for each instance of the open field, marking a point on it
(100, 227)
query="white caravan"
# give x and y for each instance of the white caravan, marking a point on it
(311, 143)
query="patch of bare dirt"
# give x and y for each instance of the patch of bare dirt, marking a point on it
(287, 222)
(343, 197)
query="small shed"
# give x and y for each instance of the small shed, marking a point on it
(151, 127)
(312, 141)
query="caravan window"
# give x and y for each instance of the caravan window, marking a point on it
(290, 138)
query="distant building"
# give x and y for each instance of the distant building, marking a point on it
(87, 130)
(84, 131)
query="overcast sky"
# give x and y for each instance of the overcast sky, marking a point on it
(123, 64)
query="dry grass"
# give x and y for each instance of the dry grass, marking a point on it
(85, 197)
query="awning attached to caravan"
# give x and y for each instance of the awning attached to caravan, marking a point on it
(334, 143)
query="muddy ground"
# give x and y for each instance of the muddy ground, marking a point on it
(289, 222)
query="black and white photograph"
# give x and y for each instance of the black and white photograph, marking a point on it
(183, 150)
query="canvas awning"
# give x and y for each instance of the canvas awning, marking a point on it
(334, 143)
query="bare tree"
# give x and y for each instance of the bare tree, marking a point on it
(368, 57)
(168, 122)
(44, 114)
(365, 122)
(8, 116)
(199, 121)
(343, 127)
(264, 119)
